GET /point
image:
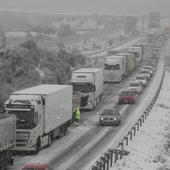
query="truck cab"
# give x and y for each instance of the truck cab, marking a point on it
(88, 83)
(138, 53)
(28, 110)
(115, 68)
(43, 113)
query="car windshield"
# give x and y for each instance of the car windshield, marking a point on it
(109, 112)
(140, 78)
(84, 87)
(134, 84)
(127, 93)
(112, 67)
(147, 67)
(25, 119)
(145, 72)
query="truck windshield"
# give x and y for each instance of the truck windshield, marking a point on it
(136, 54)
(134, 84)
(145, 72)
(140, 78)
(112, 67)
(25, 119)
(84, 87)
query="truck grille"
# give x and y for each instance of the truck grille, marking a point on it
(22, 138)
(84, 101)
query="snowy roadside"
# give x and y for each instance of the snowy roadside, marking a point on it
(150, 148)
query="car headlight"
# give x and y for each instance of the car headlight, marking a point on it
(115, 118)
(101, 118)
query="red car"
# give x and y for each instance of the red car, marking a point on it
(127, 97)
(36, 166)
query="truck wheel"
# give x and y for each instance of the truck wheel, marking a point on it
(98, 100)
(49, 140)
(38, 145)
(65, 129)
(95, 103)
(92, 106)
(3, 162)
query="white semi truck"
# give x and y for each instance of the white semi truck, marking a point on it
(138, 51)
(115, 68)
(7, 139)
(43, 113)
(88, 82)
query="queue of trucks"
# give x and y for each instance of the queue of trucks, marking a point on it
(44, 112)
(120, 64)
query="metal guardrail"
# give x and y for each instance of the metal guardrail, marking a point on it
(112, 155)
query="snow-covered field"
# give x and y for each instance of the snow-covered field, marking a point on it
(150, 148)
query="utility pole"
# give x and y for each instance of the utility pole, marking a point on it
(143, 24)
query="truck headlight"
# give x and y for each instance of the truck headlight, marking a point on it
(32, 142)
(89, 102)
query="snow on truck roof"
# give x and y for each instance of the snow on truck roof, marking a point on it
(87, 70)
(42, 89)
(115, 57)
(3, 116)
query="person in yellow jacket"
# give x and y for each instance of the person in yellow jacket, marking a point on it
(77, 115)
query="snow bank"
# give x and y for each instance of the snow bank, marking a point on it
(149, 148)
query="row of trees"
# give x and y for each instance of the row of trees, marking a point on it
(63, 31)
(18, 67)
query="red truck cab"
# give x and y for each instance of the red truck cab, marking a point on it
(127, 97)
(36, 166)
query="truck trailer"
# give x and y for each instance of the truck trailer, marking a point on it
(88, 82)
(115, 68)
(130, 61)
(7, 139)
(43, 113)
(138, 53)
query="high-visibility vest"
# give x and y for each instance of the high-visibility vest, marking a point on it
(77, 114)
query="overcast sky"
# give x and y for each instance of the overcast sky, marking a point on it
(103, 6)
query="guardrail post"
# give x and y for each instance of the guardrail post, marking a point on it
(134, 130)
(149, 108)
(147, 111)
(94, 167)
(126, 138)
(116, 157)
(143, 118)
(111, 157)
(137, 126)
(140, 121)
(99, 165)
(130, 135)
(145, 114)
(103, 159)
(107, 160)
(121, 144)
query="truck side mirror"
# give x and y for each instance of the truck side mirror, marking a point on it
(93, 88)
(43, 101)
